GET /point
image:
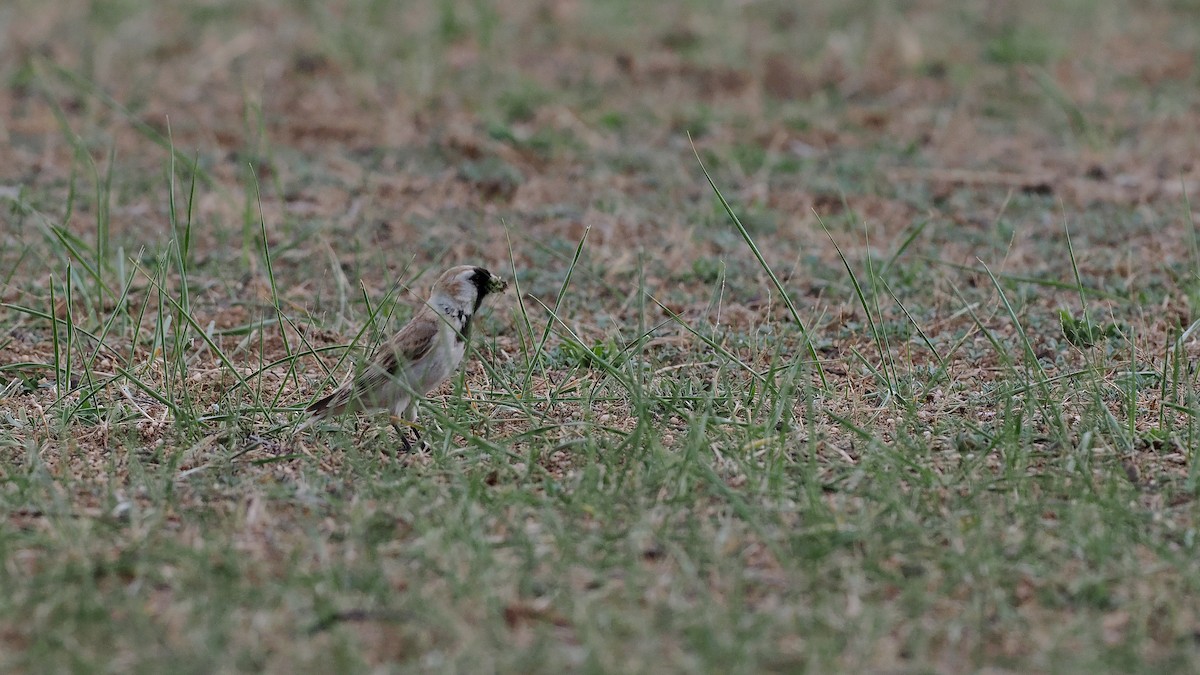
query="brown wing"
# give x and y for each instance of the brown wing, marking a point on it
(415, 340)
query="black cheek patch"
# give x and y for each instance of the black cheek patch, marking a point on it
(481, 279)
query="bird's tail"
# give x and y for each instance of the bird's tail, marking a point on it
(329, 406)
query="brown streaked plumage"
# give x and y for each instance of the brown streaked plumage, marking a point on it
(425, 352)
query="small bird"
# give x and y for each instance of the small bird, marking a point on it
(425, 352)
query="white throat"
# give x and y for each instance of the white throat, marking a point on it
(457, 313)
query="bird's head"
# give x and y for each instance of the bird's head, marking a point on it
(466, 286)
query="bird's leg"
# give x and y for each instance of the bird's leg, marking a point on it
(411, 415)
(404, 410)
(405, 446)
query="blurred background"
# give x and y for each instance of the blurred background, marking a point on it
(425, 128)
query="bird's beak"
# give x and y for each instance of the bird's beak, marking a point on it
(497, 284)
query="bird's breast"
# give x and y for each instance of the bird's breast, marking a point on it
(441, 362)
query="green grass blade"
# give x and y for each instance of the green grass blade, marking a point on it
(787, 300)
